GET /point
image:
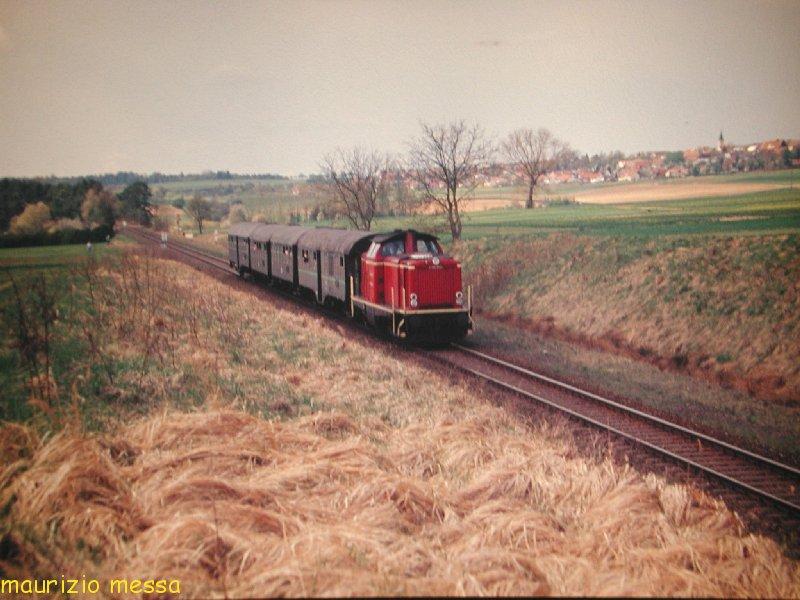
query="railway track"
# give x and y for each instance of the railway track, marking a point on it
(759, 475)
(747, 471)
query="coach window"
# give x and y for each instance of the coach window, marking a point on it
(305, 256)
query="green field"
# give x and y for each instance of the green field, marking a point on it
(273, 199)
(47, 257)
(32, 279)
(772, 211)
(763, 211)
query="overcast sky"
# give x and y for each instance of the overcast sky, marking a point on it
(89, 87)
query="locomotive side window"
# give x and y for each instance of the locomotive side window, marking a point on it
(373, 250)
(330, 263)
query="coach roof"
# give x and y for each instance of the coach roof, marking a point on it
(263, 232)
(244, 229)
(286, 235)
(327, 239)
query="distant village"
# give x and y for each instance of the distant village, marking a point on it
(615, 166)
(704, 160)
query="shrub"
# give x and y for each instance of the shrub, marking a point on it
(65, 224)
(237, 214)
(99, 207)
(31, 220)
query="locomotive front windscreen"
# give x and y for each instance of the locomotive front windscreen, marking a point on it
(428, 246)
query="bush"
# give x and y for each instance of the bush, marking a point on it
(237, 214)
(99, 207)
(31, 220)
(64, 224)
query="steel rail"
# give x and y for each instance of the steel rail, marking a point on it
(754, 459)
(631, 410)
(214, 261)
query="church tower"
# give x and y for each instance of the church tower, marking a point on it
(721, 143)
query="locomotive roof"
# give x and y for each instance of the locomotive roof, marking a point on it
(384, 237)
(243, 229)
(328, 239)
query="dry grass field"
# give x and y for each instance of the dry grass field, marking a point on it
(625, 192)
(249, 450)
(647, 191)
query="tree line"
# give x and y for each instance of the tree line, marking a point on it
(36, 212)
(442, 161)
(129, 177)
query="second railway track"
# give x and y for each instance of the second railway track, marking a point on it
(757, 475)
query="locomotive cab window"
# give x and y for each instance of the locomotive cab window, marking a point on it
(373, 250)
(427, 246)
(393, 248)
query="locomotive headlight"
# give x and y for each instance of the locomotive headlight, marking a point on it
(459, 298)
(414, 301)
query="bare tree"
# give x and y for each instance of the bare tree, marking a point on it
(534, 153)
(356, 179)
(199, 209)
(444, 161)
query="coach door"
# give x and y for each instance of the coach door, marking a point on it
(318, 260)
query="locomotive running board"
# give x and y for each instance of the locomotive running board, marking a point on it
(402, 311)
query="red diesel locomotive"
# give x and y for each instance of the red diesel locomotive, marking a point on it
(400, 282)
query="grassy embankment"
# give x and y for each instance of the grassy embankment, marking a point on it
(258, 452)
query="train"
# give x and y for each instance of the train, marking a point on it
(401, 282)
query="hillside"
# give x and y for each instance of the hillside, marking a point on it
(722, 307)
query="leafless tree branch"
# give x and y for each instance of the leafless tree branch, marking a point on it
(533, 153)
(356, 180)
(444, 161)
